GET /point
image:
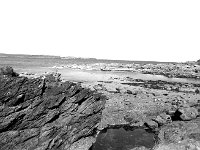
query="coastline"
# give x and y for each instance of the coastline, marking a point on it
(138, 99)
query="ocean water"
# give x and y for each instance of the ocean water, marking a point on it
(47, 61)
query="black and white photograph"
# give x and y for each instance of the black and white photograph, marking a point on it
(99, 75)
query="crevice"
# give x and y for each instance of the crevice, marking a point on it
(13, 124)
(43, 87)
(20, 99)
(176, 116)
(53, 119)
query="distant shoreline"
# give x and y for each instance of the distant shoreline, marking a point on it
(71, 57)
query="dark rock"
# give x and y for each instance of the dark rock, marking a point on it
(198, 62)
(43, 113)
(118, 90)
(197, 91)
(8, 71)
(129, 92)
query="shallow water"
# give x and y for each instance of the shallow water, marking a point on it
(91, 75)
(124, 138)
(83, 75)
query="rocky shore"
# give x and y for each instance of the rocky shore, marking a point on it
(44, 113)
(171, 70)
(170, 109)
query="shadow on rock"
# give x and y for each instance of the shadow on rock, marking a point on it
(44, 113)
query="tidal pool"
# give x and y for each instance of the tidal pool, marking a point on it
(124, 138)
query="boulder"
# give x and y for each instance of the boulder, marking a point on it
(129, 92)
(151, 124)
(8, 71)
(188, 113)
(163, 119)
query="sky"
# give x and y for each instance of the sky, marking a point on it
(157, 30)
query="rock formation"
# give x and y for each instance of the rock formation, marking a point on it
(8, 71)
(198, 62)
(46, 114)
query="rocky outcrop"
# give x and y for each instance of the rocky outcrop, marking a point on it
(46, 114)
(8, 71)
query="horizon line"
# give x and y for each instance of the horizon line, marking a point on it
(74, 57)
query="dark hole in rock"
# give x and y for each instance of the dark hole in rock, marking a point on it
(124, 138)
(176, 116)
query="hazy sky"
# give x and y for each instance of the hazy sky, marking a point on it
(161, 30)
